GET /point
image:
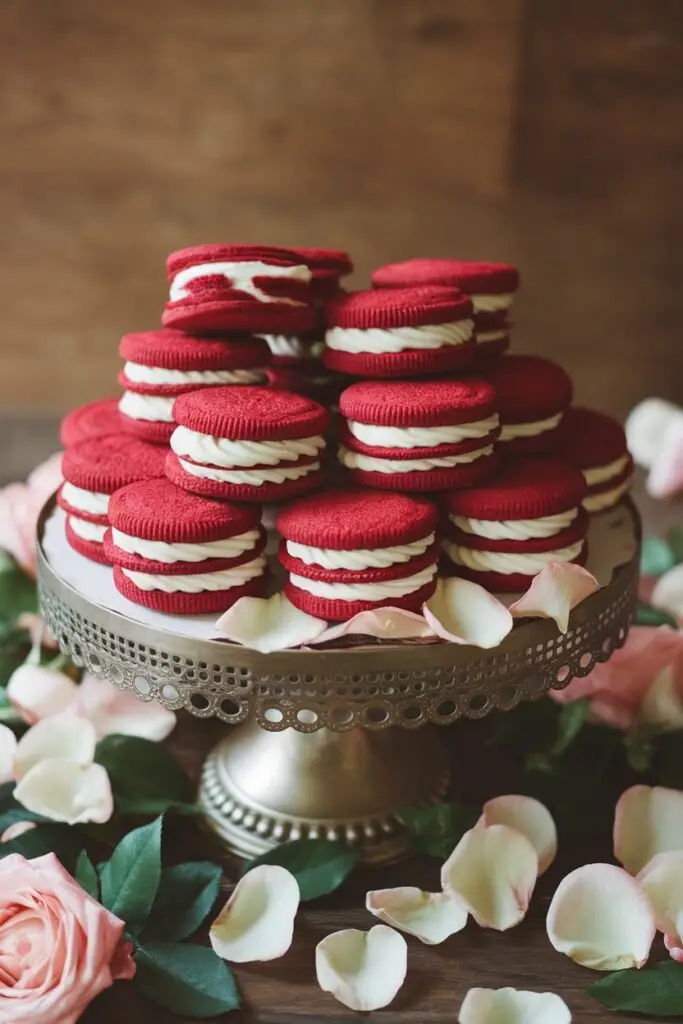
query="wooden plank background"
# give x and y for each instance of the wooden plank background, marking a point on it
(546, 132)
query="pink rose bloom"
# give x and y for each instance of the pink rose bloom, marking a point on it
(58, 947)
(20, 506)
(641, 683)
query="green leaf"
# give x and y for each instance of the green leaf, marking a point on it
(147, 805)
(86, 875)
(656, 557)
(438, 829)
(647, 615)
(18, 592)
(140, 769)
(188, 980)
(130, 879)
(655, 990)
(570, 722)
(640, 747)
(186, 895)
(319, 865)
(13, 815)
(674, 539)
(62, 840)
(15, 645)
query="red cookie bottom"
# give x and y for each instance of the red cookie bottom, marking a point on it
(91, 549)
(187, 604)
(498, 582)
(222, 315)
(340, 611)
(468, 475)
(148, 430)
(274, 493)
(411, 363)
(547, 443)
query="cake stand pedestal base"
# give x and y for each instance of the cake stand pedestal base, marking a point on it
(261, 788)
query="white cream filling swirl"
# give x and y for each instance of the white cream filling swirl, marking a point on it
(356, 340)
(222, 452)
(516, 529)
(253, 478)
(606, 499)
(369, 464)
(286, 346)
(153, 408)
(161, 551)
(420, 437)
(241, 277)
(484, 336)
(506, 562)
(199, 582)
(510, 431)
(140, 374)
(93, 502)
(365, 558)
(601, 474)
(87, 531)
(491, 303)
(379, 591)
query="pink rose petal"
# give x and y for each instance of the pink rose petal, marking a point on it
(115, 711)
(672, 943)
(647, 820)
(268, 624)
(646, 425)
(465, 613)
(662, 880)
(558, 587)
(39, 693)
(528, 816)
(16, 830)
(667, 592)
(384, 623)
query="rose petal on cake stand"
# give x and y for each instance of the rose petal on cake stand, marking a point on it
(362, 970)
(662, 880)
(512, 1006)
(466, 613)
(65, 791)
(492, 873)
(647, 820)
(557, 588)
(384, 623)
(66, 737)
(528, 816)
(257, 922)
(430, 916)
(268, 624)
(601, 918)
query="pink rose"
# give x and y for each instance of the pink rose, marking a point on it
(642, 683)
(20, 506)
(58, 947)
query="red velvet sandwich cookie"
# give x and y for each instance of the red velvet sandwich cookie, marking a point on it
(490, 286)
(419, 435)
(596, 444)
(160, 365)
(218, 288)
(352, 551)
(503, 533)
(247, 444)
(93, 470)
(96, 419)
(533, 395)
(327, 267)
(408, 332)
(182, 554)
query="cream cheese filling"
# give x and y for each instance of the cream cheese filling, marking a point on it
(86, 530)
(375, 558)
(601, 474)
(484, 336)
(510, 431)
(506, 562)
(241, 277)
(606, 499)
(199, 582)
(516, 529)
(379, 591)
(420, 437)
(491, 303)
(285, 345)
(356, 340)
(253, 478)
(367, 463)
(140, 374)
(227, 454)
(161, 551)
(154, 408)
(93, 502)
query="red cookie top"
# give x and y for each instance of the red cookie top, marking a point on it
(218, 253)
(326, 263)
(591, 439)
(405, 307)
(471, 278)
(104, 464)
(174, 350)
(426, 403)
(158, 510)
(357, 520)
(523, 489)
(97, 419)
(250, 413)
(529, 388)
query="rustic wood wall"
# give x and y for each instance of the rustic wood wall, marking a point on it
(546, 132)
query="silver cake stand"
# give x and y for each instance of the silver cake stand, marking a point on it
(334, 743)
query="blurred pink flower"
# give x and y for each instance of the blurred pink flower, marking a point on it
(642, 683)
(20, 505)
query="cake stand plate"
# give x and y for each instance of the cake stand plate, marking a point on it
(331, 742)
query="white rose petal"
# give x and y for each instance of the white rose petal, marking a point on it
(647, 820)
(554, 591)
(268, 624)
(39, 692)
(65, 791)
(362, 970)
(384, 623)
(510, 1006)
(528, 816)
(601, 918)
(662, 705)
(8, 747)
(466, 613)
(430, 916)
(64, 736)
(257, 922)
(662, 880)
(16, 830)
(667, 592)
